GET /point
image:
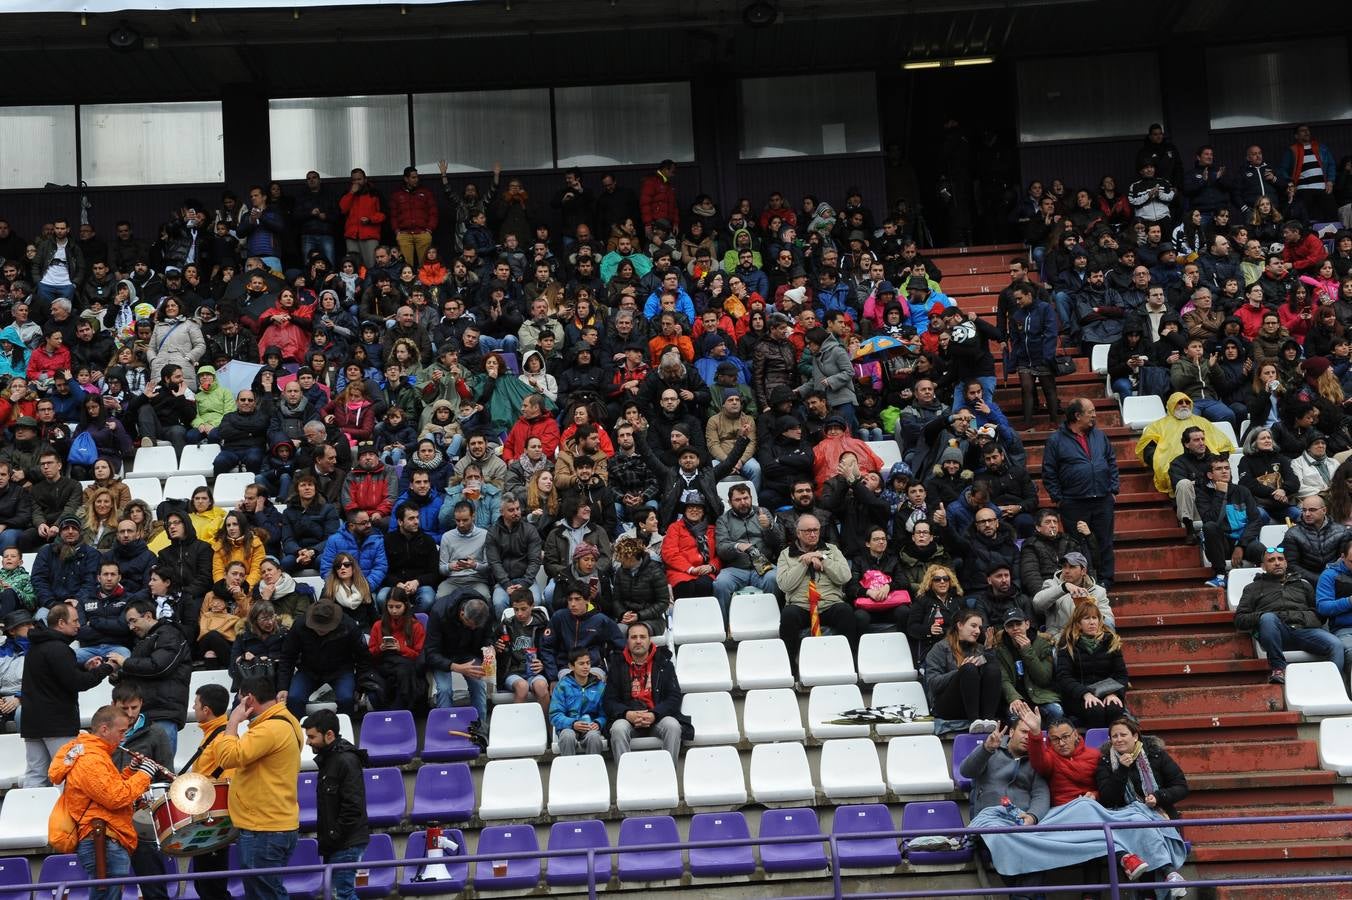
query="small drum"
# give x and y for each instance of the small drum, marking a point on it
(180, 833)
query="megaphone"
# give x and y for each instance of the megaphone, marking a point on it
(438, 845)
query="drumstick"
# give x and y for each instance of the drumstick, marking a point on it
(137, 757)
(463, 734)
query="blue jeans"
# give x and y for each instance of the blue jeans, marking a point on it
(507, 344)
(730, 580)
(1275, 636)
(89, 651)
(987, 383)
(303, 684)
(10, 537)
(426, 596)
(50, 292)
(501, 601)
(1213, 410)
(1065, 314)
(272, 262)
(119, 866)
(265, 850)
(227, 460)
(321, 242)
(1122, 387)
(171, 731)
(846, 412)
(445, 694)
(344, 881)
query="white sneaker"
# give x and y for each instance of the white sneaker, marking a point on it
(1179, 892)
(982, 726)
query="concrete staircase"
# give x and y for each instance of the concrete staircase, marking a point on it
(1196, 682)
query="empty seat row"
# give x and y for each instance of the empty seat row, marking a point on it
(442, 792)
(764, 663)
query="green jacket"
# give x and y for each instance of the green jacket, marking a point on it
(212, 405)
(1036, 685)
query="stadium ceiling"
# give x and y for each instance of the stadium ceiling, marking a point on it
(298, 49)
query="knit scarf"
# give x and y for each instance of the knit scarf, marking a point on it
(1148, 783)
(700, 534)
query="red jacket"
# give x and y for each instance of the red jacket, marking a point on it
(1306, 254)
(679, 553)
(412, 650)
(414, 210)
(1067, 778)
(365, 205)
(657, 200)
(1251, 319)
(44, 363)
(544, 427)
(358, 424)
(369, 490)
(293, 337)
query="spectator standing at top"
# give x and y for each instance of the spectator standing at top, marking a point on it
(262, 227)
(1310, 166)
(363, 216)
(1206, 186)
(413, 216)
(657, 197)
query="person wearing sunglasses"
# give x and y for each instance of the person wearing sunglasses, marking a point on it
(1278, 608)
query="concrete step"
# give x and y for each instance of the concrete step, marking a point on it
(1338, 890)
(1152, 556)
(1129, 623)
(1157, 648)
(1310, 788)
(1197, 673)
(1245, 756)
(1166, 596)
(1003, 252)
(1278, 849)
(1034, 440)
(1260, 834)
(1203, 729)
(1207, 701)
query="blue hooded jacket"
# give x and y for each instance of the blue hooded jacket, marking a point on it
(1333, 595)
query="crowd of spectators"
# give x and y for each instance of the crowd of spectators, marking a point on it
(484, 428)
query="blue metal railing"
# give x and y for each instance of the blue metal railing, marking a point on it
(1114, 884)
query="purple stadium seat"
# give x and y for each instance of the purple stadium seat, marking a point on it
(963, 745)
(1096, 737)
(442, 793)
(65, 866)
(385, 798)
(649, 865)
(439, 745)
(307, 787)
(865, 853)
(522, 874)
(389, 738)
(927, 817)
(711, 862)
(459, 871)
(304, 885)
(379, 881)
(809, 856)
(14, 870)
(571, 871)
(422, 618)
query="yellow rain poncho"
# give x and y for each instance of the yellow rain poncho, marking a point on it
(1167, 436)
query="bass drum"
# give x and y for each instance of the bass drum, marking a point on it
(181, 834)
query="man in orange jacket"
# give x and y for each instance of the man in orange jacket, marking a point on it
(99, 797)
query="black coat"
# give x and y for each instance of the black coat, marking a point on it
(133, 561)
(188, 562)
(1172, 784)
(411, 556)
(248, 641)
(643, 591)
(161, 666)
(341, 798)
(666, 691)
(16, 507)
(323, 657)
(52, 683)
(1075, 673)
(448, 641)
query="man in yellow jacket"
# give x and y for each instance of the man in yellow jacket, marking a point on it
(263, 802)
(210, 705)
(99, 797)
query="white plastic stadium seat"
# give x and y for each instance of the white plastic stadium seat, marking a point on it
(180, 487)
(1228, 430)
(703, 667)
(646, 779)
(714, 717)
(827, 702)
(229, 489)
(889, 452)
(780, 774)
(1138, 412)
(763, 664)
(197, 459)
(154, 462)
(307, 755)
(13, 763)
(714, 777)
(772, 715)
(189, 737)
(885, 656)
(579, 785)
(146, 489)
(826, 660)
(910, 693)
(511, 788)
(315, 582)
(1317, 689)
(1098, 358)
(753, 616)
(850, 769)
(1272, 535)
(517, 729)
(697, 620)
(91, 699)
(1335, 745)
(23, 817)
(916, 765)
(1236, 582)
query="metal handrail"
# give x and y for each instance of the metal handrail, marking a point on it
(1113, 885)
